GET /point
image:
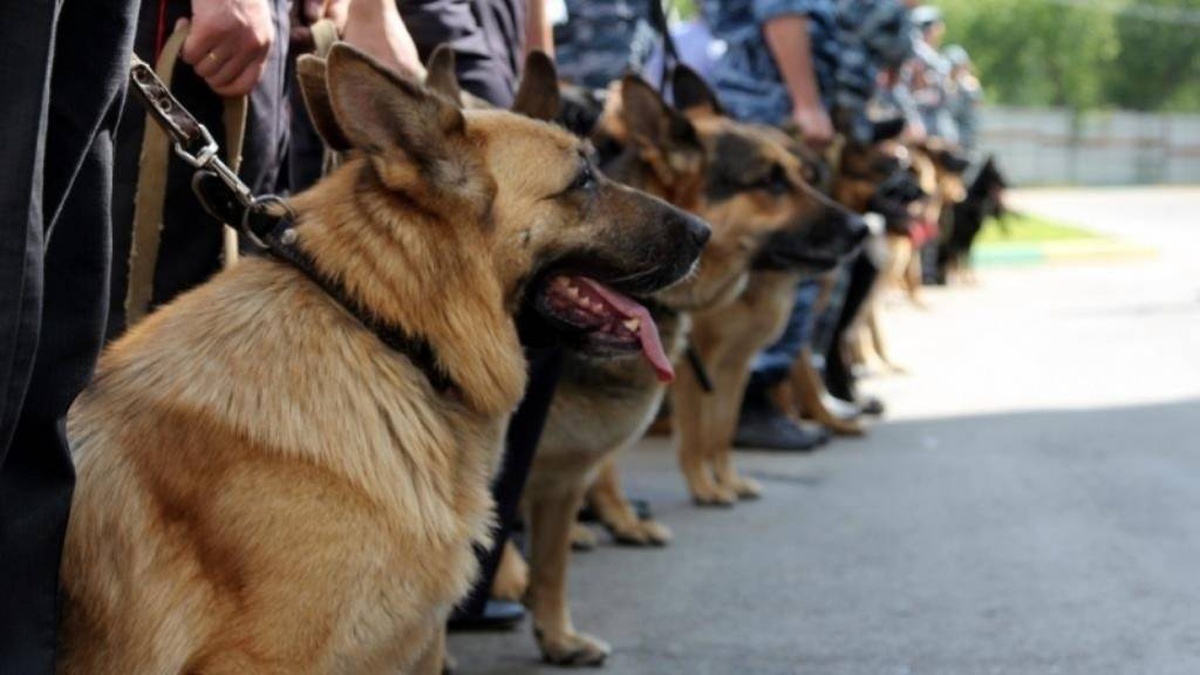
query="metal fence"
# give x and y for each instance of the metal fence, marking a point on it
(1041, 146)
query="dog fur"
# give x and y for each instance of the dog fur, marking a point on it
(264, 486)
(601, 407)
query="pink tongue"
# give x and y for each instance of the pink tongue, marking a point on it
(647, 332)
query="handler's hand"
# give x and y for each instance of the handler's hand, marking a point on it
(229, 43)
(815, 127)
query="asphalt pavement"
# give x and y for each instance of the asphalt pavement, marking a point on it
(1030, 504)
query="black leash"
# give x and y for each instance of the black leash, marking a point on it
(267, 221)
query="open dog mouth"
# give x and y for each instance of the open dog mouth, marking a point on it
(605, 320)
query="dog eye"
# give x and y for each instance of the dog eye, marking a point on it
(776, 182)
(812, 174)
(585, 179)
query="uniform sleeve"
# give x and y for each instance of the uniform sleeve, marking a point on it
(765, 10)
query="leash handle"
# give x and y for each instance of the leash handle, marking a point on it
(191, 140)
(173, 126)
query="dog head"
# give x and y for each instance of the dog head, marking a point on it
(946, 164)
(748, 182)
(449, 222)
(758, 192)
(876, 176)
(988, 187)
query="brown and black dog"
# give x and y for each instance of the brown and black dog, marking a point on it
(703, 161)
(868, 176)
(265, 486)
(939, 169)
(763, 183)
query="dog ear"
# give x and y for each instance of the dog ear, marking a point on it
(644, 112)
(538, 96)
(415, 139)
(310, 71)
(886, 130)
(441, 74)
(692, 94)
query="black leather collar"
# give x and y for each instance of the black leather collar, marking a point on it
(268, 222)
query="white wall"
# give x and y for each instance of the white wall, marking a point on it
(1036, 146)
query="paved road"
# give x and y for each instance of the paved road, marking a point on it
(1030, 506)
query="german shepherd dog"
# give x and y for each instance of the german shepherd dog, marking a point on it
(869, 175)
(984, 198)
(939, 170)
(265, 486)
(757, 181)
(601, 407)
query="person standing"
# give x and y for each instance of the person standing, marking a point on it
(64, 65)
(965, 97)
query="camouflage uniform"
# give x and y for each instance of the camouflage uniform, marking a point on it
(964, 97)
(927, 78)
(747, 80)
(871, 34)
(602, 39)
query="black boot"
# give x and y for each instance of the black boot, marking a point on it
(762, 426)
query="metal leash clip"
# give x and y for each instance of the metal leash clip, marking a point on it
(191, 140)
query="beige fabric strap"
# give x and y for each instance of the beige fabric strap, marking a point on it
(324, 33)
(152, 188)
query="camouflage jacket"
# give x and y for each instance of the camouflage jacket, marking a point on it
(602, 39)
(850, 40)
(747, 80)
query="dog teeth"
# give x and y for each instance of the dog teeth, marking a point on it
(585, 303)
(572, 292)
(632, 325)
(561, 283)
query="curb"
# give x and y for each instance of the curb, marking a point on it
(1082, 250)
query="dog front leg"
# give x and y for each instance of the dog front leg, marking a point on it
(693, 407)
(727, 402)
(550, 519)
(512, 576)
(614, 510)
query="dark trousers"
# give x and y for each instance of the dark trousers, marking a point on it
(64, 66)
(190, 248)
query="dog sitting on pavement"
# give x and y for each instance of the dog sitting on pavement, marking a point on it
(265, 485)
(700, 160)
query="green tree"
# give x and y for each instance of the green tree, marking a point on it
(1036, 52)
(1158, 62)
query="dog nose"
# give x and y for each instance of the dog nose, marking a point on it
(857, 228)
(697, 230)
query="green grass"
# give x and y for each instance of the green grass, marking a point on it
(1022, 228)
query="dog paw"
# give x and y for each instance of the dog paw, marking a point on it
(512, 576)
(642, 533)
(714, 496)
(747, 488)
(583, 538)
(573, 649)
